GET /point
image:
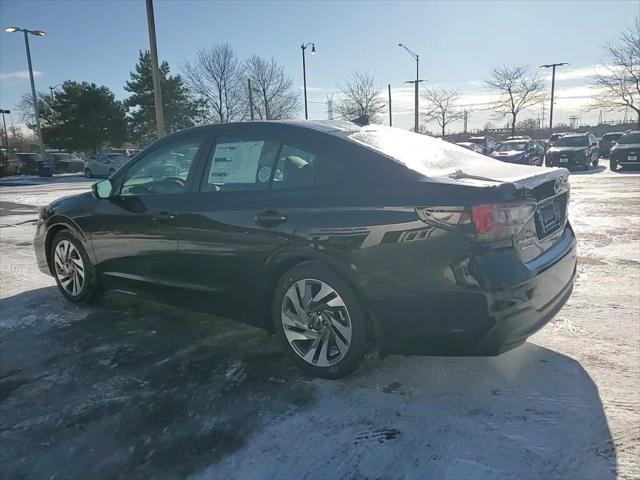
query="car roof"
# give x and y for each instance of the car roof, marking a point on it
(576, 134)
(632, 131)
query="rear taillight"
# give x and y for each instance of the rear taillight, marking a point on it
(485, 223)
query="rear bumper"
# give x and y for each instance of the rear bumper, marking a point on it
(479, 323)
(572, 162)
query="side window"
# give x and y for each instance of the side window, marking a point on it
(296, 168)
(240, 164)
(163, 170)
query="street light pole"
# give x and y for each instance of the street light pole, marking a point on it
(416, 57)
(553, 85)
(155, 72)
(4, 124)
(304, 75)
(33, 93)
(34, 98)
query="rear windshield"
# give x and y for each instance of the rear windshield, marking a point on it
(421, 153)
(509, 146)
(565, 141)
(477, 141)
(630, 138)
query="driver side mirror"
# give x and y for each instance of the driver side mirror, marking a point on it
(102, 189)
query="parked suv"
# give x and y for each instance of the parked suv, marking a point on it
(332, 236)
(574, 150)
(487, 143)
(104, 164)
(626, 152)
(607, 142)
(526, 152)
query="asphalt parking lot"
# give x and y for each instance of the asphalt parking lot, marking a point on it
(135, 389)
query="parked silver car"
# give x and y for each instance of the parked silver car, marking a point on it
(104, 164)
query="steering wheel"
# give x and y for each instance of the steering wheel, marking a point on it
(177, 180)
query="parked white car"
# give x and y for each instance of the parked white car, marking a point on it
(104, 164)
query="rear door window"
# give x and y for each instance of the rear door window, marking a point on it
(240, 164)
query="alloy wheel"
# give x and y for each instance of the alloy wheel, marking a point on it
(69, 267)
(316, 322)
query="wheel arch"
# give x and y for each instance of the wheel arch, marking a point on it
(281, 264)
(57, 225)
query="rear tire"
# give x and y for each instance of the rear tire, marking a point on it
(320, 321)
(87, 173)
(72, 269)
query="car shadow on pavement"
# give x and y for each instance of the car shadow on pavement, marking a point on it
(138, 389)
(591, 171)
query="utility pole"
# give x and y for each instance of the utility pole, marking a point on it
(155, 72)
(4, 124)
(466, 117)
(250, 99)
(330, 107)
(390, 116)
(553, 84)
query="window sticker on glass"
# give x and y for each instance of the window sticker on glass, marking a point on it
(235, 162)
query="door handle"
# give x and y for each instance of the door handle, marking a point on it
(163, 217)
(270, 218)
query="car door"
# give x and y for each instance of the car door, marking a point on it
(134, 233)
(251, 197)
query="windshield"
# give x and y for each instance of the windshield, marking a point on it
(510, 146)
(611, 137)
(565, 141)
(477, 141)
(630, 138)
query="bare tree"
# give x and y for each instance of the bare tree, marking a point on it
(519, 89)
(619, 83)
(360, 98)
(442, 107)
(273, 95)
(215, 78)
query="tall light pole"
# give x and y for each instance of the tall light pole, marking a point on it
(51, 89)
(155, 72)
(415, 82)
(553, 85)
(37, 33)
(304, 74)
(4, 124)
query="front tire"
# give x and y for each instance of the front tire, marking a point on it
(320, 321)
(613, 165)
(87, 173)
(72, 269)
(111, 172)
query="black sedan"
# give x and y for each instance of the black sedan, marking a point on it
(332, 236)
(626, 152)
(524, 152)
(574, 150)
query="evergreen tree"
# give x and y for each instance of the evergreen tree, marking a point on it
(83, 116)
(179, 110)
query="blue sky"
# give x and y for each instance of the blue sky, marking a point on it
(458, 42)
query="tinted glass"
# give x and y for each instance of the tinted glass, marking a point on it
(611, 137)
(296, 168)
(630, 138)
(581, 141)
(240, 164)
(509, 146)
(163, 170)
